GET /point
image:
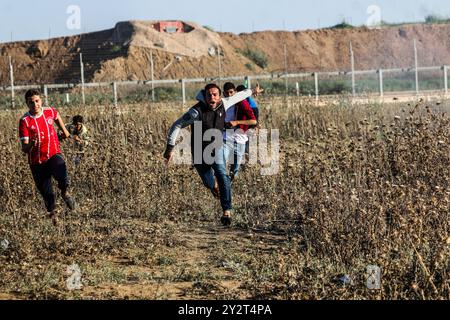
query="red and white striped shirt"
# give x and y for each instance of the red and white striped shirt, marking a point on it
(40, 129)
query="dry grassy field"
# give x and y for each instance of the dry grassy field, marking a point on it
(358, 185)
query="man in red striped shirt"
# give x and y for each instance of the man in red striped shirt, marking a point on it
(40, 141)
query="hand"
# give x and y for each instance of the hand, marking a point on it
(26, 147)
(258, 90)
(168, 155)
(231, 124)
(63, 136)
(32, 143)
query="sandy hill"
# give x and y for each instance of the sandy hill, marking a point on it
(123, 53)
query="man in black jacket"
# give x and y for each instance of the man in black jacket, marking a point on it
(207, 120)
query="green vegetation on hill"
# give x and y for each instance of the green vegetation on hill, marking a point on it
(256, 56)
(429, 19)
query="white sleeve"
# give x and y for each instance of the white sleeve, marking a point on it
(238, 97)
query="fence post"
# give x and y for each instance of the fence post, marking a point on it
(46, 94)
(445, 80)
(114, 85)
(82, 79)
(248, 83)
(316, 83)
(67, 98)
(380, 75)
(297, 87)
(183, 90)
(416, 67)
(11, 78)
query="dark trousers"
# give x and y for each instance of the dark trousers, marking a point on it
(42, 174)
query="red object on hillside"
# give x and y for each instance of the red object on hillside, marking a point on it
(170, 26)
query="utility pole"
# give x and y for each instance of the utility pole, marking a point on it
(82, 79)
(152, 70)
(286, 69)
(416, 67)
(220, 63)
(352, 59)
(11, 78)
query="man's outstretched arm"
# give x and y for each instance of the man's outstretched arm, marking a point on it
(60, 123)
(238, 97)
(185, 121)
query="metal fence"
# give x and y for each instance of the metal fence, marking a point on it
(413, 80)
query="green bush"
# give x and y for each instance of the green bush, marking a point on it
(249, 66)
(258, 57)
(433, 19)
(343, 25)
(209, 28)
(116, 48)
(167, 94)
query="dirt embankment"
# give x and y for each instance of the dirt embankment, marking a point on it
(123, 53)
(328, 49)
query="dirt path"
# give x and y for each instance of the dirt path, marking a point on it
(207, 262)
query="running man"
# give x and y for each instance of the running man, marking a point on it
(40, 141)
(206, 116)
(252, 130)
(237, 122)
(79, 133)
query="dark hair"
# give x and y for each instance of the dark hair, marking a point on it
(241, 88)
(77, 119)
(229, 86)
(213, 86)
(32, 92)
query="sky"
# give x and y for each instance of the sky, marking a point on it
(20, 20)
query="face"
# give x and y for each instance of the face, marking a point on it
(229, 93)
(34, 104)
(78, 125)
(213, 97)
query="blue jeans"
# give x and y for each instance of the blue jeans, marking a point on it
(238, 151)
(219, 170)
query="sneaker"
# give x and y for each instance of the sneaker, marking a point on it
(226, 219)
(69, 201)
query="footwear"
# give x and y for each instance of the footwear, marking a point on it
(226, 219)
(54, 216)
(69, 201)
